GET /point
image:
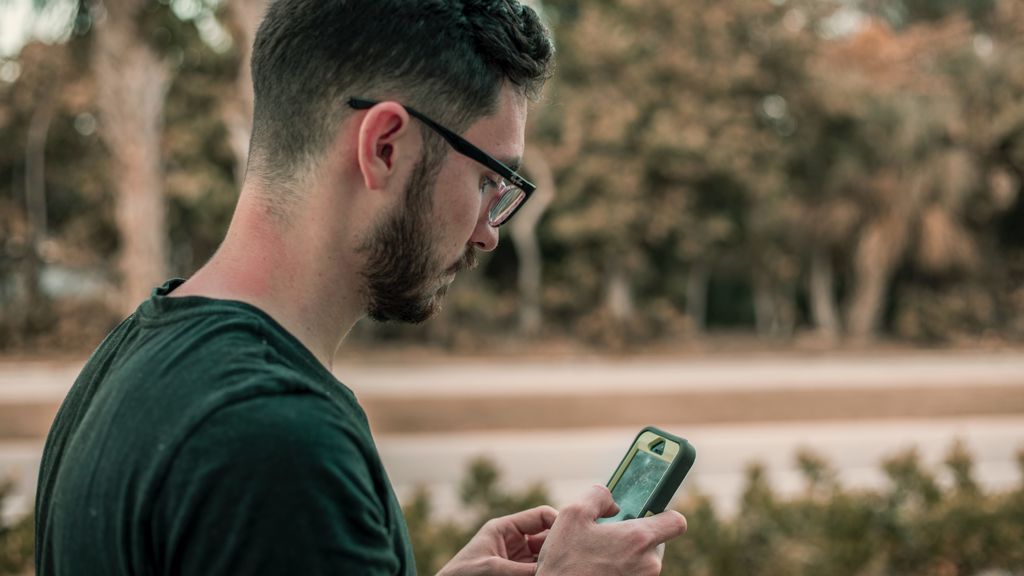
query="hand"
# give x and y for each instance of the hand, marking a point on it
(504, 546)
(577, 544)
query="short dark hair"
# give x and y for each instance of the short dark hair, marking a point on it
(446, 58)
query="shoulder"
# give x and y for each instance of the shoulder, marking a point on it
(287, 478)
(288, 431)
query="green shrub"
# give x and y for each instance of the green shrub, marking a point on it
(436, 541)
(915, 525)
(16, 540)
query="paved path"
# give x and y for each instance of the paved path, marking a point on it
(472, 395)
(36, 380)
(919, 370)
(566, 422)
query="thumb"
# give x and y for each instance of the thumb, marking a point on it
(666, 525)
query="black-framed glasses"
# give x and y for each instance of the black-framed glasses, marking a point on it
(513, 189)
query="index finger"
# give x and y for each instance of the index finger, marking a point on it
(534, 520)
(596, 503)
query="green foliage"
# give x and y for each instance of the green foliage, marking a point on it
(53, 92)
(200, 181)
(705, 154)
(16, 540)
(908, 12)
(669, 125)
(435, 542)
(741, 138)
(916, 524)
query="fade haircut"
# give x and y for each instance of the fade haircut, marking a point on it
(446, 58)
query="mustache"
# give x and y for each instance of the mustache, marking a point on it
(467, 262)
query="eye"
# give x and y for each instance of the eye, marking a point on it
(487, 182)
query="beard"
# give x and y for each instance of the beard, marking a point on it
(403, 278)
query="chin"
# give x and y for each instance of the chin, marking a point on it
(412, 312)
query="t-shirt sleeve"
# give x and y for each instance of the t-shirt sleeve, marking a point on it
(272, 485)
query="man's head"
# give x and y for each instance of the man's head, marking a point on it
(466, 65)
(416, 248)
(446, 58)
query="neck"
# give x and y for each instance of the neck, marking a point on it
(285, 270)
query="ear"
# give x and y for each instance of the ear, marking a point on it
(383, 136)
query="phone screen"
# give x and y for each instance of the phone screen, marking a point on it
(636, 485)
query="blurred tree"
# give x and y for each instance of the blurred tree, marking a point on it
(740, 163)
(913, 192)
(129, 44)
(200, 162)
(525, 237)
(903, 13)
(31, 311)
(73, 232)
(744, 140)
(667, 127)
(131, 84)
(241, 18)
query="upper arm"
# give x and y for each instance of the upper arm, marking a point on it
(273, 485)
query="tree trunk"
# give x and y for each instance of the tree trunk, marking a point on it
(242, 19)
(131, 85)
(877, 255)
(697, 296)
(785, 310)
(765, 317)
(35, 195)
(824, 311)
(774, 310)
(35, 166)
(618, 294)
(524, 236)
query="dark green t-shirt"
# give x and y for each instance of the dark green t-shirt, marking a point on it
(203, 438)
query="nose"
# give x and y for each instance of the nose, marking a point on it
(485, 236)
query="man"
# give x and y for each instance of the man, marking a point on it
(207, 434)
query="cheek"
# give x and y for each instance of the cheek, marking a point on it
(460, 223)
(459, 210)
(470, 214)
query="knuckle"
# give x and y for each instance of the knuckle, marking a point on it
(640, 540)
(574, 510)
(546, 510)
(651, 565)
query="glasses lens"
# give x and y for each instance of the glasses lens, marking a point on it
(506, 204)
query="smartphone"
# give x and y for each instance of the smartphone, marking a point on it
(649, 474)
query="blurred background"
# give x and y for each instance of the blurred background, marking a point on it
(791, 231)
